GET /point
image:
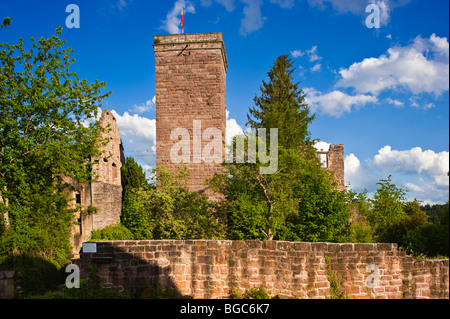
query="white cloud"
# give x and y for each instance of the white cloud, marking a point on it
(316, 67)
(313, 54)
(394, 102)
(172, 24)
(253, 19)
(139, 136)
(322, 146)
(287, 4)
(422, 173)
(419, 68)
(335, 103)
(440, 45)
(385, 11)
(228, 4)
(297, 53)
(415, 161)
(233, 129)
(146, 107)
(121, 4)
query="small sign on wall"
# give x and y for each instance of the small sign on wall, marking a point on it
(90, 248)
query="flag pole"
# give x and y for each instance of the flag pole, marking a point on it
(182, 21)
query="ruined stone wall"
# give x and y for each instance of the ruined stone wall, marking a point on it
(105, 192)
(110, 161)
(333, 160)
(211, 269)
(190, 72)
(336, 163)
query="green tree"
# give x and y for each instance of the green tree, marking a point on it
(387, 208)
(133, 175)
(299, 201)
(134, 182)
(43, 106)
(6, 22)
(435, 212)
(282, 105)
(170, 211)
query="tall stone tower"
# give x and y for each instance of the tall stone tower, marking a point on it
(190, 71)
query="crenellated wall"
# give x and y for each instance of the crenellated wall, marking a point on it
(211, 269)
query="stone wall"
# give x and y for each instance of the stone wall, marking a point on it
(211, 269)
(334, 161)
(7, 284)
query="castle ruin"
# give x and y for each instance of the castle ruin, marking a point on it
(101, 199)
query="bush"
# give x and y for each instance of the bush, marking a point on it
(253, 293)
(113, 232)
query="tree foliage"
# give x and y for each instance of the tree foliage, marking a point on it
(43, 106)
(300, 200)
(390, 217)
(170, 211)
(282, 105)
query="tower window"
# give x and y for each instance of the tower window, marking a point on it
(78, 198)
(324, 160)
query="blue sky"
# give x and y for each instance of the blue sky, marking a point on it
(382, 92)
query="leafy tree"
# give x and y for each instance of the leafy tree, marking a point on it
(170, 210)
(435, 212)
(387, 208)
(134, 182)
(43, 106)
(133, 175)
(299, 201)
(6, 22)
(389, 217)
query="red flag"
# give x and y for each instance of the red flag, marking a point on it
(182, 19)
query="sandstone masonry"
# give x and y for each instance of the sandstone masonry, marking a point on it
(211, 269)
(190, 85)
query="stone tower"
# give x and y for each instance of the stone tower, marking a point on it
(190, 71)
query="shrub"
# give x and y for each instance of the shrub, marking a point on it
(113, 232)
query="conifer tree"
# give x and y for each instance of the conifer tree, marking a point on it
(282, 105)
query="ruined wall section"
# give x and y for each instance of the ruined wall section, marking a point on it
(336, 163)
(104, 192)
(333, 160)
(190, 71)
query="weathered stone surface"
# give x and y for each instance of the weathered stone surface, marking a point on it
(105, 192)
(211, 269)
(7, 288)
(190, 72)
